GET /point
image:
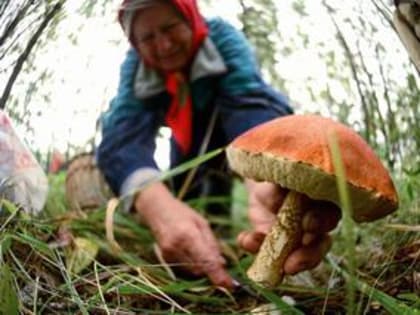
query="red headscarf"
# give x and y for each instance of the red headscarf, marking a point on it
(179, 115)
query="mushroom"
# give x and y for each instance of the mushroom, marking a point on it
(293, 152)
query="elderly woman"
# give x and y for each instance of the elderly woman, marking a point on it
(200, 78)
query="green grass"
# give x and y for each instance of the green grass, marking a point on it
(36, 277)
(349, 240)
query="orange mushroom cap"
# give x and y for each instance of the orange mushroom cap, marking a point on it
(294, 152)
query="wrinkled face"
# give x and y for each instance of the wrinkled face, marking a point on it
(162, 37)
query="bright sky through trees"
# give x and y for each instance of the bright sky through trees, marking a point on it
(84, 64)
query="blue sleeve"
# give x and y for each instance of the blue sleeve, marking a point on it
(245, 99)
(128, 131)
(238, 113)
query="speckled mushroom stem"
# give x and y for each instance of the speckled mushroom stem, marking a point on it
(284, 237)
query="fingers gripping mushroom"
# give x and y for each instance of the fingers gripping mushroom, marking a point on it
(293, 152)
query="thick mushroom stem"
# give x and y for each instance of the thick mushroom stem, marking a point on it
(284, 237)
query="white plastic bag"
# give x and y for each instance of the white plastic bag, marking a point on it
(22, 179)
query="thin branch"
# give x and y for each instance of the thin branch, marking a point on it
(15, 21)
(23, 57)
(3, 6)
(374, 100)
(390, 113)
(12, 43)
(386, 14)
(353, 68)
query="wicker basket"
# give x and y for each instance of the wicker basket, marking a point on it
(85, 185)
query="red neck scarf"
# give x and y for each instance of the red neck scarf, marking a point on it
(179, 115)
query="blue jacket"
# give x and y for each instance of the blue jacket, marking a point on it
(224, 75)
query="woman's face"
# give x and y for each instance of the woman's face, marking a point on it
(162, 37)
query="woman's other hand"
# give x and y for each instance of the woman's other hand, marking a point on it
(319, 218)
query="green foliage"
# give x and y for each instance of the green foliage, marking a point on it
(90, 8)
(347, 223)
(260, 25)
(56, 204)
(9, 304)
(239, 219)
(393, 306)
(35, 252)
(299, 7)
(405, 135)
(409, 187)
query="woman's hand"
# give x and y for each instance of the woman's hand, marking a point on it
(265, 200)
(184, 236)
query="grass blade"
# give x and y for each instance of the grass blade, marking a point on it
(347, 223)
(180, 169)
(68, 282)
(392, 305)
(98, 284)
(9, 304)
